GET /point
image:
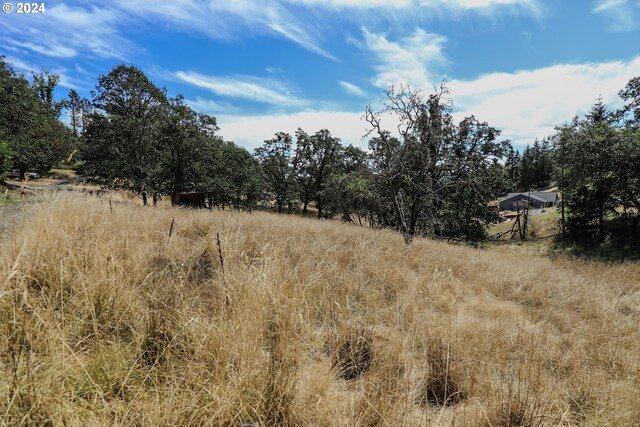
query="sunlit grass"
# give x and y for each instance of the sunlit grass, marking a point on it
(106, 319)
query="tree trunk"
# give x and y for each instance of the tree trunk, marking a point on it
(144, 198)
(601, 222)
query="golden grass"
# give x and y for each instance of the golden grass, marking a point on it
(105, 320)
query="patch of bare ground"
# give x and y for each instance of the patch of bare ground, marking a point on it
(106, 319)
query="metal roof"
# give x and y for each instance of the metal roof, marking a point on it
(542, 196)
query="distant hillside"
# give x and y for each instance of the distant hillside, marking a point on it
(108, 319)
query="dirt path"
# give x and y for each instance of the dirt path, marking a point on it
(8, 214)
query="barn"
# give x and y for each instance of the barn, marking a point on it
(533, 199)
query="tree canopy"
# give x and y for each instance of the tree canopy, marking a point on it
(29, 120)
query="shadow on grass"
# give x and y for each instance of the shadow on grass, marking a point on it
(611, 250)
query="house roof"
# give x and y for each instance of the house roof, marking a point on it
(542, 196)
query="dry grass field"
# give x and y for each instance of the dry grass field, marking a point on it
(106, 320)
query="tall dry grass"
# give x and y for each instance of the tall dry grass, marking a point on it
(106, 320)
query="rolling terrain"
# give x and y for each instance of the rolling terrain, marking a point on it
(117, 314)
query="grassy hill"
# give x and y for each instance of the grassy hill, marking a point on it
(105, 319)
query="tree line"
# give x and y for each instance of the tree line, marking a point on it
(429, 175)
(597, 169)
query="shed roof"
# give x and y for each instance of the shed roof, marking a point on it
(542, 196)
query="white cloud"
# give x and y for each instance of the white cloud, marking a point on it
(412, 60)
(353, 89)
(622, 16)
(525, 105)
(529, 104)
(251, 131)
(269, 91)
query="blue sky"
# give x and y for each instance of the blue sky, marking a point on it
(260, 67)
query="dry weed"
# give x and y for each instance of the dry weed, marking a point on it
(106, 320)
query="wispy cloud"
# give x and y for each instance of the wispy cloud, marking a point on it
(70, 28)
(415, 59)
(209, 106)
(66, 80)
(264, 90)
(352, 89)
(53, 49)
(622, 15)
(20, 65)
(64, 31)
(415, 4)
(233, 19)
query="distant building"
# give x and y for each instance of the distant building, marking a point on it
(533, 199)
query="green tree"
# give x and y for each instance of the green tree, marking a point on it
(498, 180)
(512, 162)
(245, 177)
(626, 161)
(436, 176)
(29, 120)
(631, 94)
(316, 156)
(541, 167)
(124, 128)
(589, 174)
(526, 169)
(181, 149)
(79, 110)
(348, 190)
(275, 158)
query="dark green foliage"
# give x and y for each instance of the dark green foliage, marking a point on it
(535, 166)
(512, 162)
(349, 187)
(315, 159)
(275, 157)
(138, 138)
(631, 94)
(599, 175)
(245, 181)
(124, 127)
(5, 158)
(437, 178)
(29, 120)
(182, 152)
